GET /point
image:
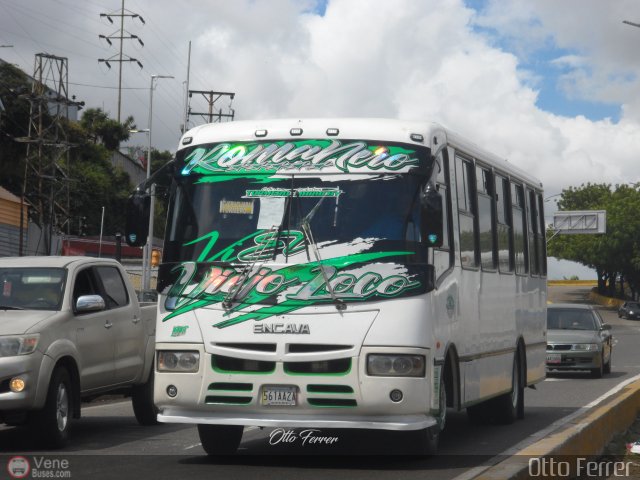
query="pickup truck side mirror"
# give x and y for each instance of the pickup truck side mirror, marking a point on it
(137, 223)
(90, 303)
(431, 227)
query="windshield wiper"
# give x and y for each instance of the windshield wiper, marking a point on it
(286, 218)
(227, 303)
(306, 229)
(9, 307)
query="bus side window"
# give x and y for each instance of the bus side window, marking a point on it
(465, 182)
(519, 229)
(504, 225)
(486, 220)
(532, 227)
(542, 245)
(444, 256)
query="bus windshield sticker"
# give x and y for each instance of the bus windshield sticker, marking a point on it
(236, 207)
(357, 277)
(310, 155)
(271, 212)
(268, 192)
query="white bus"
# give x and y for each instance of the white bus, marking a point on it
(344, 273)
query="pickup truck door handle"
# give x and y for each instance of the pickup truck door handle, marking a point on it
(135, 319)
(108, 325)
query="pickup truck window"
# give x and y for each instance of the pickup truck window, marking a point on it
(85, 285)
(31, 288)
(114, 288)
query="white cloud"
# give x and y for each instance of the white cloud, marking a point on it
(401, 58)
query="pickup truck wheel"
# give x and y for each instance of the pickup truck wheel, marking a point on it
(220, 439)
(53, 421)
(142, 401)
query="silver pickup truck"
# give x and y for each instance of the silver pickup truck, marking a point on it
(71, 328)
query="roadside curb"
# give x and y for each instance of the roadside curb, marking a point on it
(585, 283)
(584, 437)
(605, 301)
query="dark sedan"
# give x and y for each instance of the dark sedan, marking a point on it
(630, 310)
(578, 339)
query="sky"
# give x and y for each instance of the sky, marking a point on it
(554, 87)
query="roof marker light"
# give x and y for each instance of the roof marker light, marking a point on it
(261, 133)
(416, 137)
(295, 132)
(332, 132)
(187, 140)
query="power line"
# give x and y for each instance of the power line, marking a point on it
(121, 36)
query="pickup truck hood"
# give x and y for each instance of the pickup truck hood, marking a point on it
(17, 322)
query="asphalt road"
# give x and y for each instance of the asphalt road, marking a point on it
(108, 443)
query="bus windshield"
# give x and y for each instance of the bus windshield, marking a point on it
(241, 241)
(245, 220)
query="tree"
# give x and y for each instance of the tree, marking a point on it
(613, 254)
(102, 129)
(93, 182)
(14, 123)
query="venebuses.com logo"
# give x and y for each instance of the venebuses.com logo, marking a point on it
(18, 467)
(38, 467)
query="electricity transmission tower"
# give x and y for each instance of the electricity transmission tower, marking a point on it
(46, 177)
(211, 98)
(120, 35)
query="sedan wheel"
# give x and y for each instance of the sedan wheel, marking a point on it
(599, 371)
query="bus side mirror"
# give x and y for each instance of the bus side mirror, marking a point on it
(431, 221)
(137, 224)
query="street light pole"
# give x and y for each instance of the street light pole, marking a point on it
(146, 255)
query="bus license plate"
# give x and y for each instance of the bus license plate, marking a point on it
(554, 358)
(279, 395)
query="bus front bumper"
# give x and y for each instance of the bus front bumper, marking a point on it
(397, 422)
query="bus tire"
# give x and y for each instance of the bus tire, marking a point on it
(510, 406)
(429, 438)
(220, 439)
(142, 401)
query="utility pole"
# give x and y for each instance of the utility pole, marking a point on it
(120, 35)
(212, 97)
(46, 178)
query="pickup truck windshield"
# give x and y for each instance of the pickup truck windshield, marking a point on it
(31, 288)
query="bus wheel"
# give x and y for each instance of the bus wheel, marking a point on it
(430, 437)
(142, 401)
(510, 406)
(220, 439)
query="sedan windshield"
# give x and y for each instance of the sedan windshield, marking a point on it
(568, 319)
(31, 288)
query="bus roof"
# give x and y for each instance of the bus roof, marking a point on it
(416, 133)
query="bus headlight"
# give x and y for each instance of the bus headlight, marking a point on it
(384, 365)
(177, 361)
